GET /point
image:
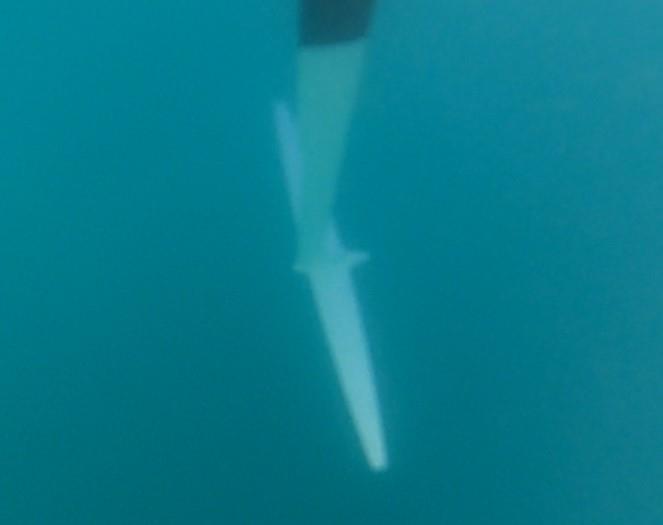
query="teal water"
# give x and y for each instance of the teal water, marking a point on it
(159, 361)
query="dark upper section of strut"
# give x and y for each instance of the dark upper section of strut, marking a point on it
(333, 21)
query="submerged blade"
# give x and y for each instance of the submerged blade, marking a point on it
(336, 300)
(290, 156)
(327, 84)
(329, 272)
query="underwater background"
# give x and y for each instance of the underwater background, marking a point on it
(161, 363)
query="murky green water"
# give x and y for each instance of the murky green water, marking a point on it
(161, 364)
